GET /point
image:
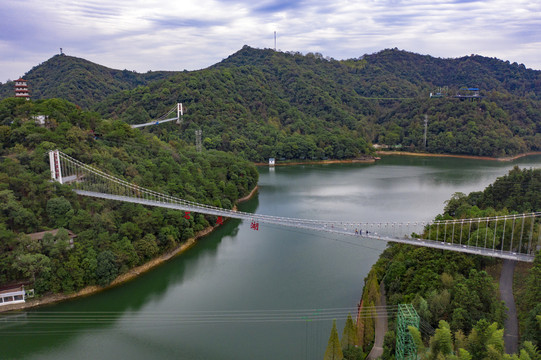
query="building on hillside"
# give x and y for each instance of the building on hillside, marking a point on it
(15, 295)
(39, 235)
(21, 89)
(40, 119)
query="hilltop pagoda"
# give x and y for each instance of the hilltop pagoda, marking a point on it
(21, 89)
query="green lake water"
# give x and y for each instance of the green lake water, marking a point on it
(238, 293)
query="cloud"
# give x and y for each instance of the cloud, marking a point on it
(147, 35)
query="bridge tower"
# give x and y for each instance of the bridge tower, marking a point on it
(405, 347)
(56, 168)
(180, 112)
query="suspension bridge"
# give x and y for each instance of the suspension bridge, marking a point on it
(164, 118)
(513, 237)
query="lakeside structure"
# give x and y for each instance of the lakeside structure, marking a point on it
(16, 295)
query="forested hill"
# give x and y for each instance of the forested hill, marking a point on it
(487, 74)
(112, 237)
(260, 103)
(395, 73)
(78, 80)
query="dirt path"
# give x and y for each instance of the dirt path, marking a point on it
(510, 336)
(381, 327)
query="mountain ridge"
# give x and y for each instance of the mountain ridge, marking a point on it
(261, 103)
(79, 81)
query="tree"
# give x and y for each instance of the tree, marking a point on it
(125, 254)
(89, 264)
(32, 264)
(334, 350)
(441, 344)
(58, 210)
(532, 300)
(532, 331)
(146, 247)
(484, 342)
(106, 270)
(349, 335)
(485, 339)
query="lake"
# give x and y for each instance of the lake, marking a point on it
(246, 294)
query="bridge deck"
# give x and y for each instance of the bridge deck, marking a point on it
(155, 122)
(330, 227)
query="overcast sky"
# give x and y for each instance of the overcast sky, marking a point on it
(144, 35)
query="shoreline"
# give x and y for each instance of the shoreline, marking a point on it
(317, 162)
(473, 157)
(128, 276)
(373, 159)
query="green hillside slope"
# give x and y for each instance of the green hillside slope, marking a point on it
(79, 81)
(112, 237)
(262, 103)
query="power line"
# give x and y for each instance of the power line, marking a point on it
(47, 322)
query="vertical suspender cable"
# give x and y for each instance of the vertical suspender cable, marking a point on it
(503, 233)
(494, 240)
(521, 234)
(512, 234)
(531, 236)
(469, 232)
(486, 233)
(461, 228)
(445, 233)
(478, 229)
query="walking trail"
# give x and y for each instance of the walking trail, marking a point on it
(381, 327)
(510, 336)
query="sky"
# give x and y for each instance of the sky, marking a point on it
(143, 35)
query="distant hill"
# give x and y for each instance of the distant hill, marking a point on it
(79, 81)
(260, 103)
(488, 74)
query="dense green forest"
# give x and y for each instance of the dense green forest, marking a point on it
(259, 103)
(112, 237)
(456, 288)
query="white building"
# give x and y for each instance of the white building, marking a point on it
(14, 296)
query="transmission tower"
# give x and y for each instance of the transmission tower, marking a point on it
(198, 146)
(405, 347)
